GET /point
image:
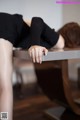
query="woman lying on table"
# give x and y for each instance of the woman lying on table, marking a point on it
(36, 37)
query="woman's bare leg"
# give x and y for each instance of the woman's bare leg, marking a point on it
(6, 93)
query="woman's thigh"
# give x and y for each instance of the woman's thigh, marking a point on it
(5, 62)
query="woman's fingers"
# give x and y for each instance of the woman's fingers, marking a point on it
(36, 53)
(45, 51)
(40, 54)
(33, 55)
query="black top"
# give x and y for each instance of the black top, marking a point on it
(15, 30)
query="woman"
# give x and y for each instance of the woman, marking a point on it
(35, 36)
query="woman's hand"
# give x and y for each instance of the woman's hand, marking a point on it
(36, 52)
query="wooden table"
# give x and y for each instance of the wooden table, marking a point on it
(64, 55)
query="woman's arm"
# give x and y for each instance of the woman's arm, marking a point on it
(48, 31)
(38, 29)
(36, 51)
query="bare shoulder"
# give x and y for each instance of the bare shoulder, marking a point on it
(61, 42)
(27, 21)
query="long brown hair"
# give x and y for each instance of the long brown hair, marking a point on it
(71, 34)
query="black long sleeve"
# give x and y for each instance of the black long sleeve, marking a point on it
(36, 30)
(50, 35)
(39, 29)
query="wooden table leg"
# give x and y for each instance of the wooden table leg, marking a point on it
(67, 89)
(58, 88)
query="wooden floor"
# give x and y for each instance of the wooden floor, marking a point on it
(32, 108)
(33, 103)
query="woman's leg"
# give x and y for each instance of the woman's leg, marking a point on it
(6, 93)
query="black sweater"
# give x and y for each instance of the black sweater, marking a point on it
(39, 34)
(16, 31)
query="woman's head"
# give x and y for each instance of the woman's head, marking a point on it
(71, 34)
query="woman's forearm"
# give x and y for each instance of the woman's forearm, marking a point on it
(36, 28)
(39, 29)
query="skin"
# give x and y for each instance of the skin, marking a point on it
(36, 52)
(6, 94)
(6, 69)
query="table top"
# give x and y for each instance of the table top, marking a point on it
(54, 54)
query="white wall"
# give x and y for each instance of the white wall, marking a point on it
(55, 15)
(71, 13)
(47, 9)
